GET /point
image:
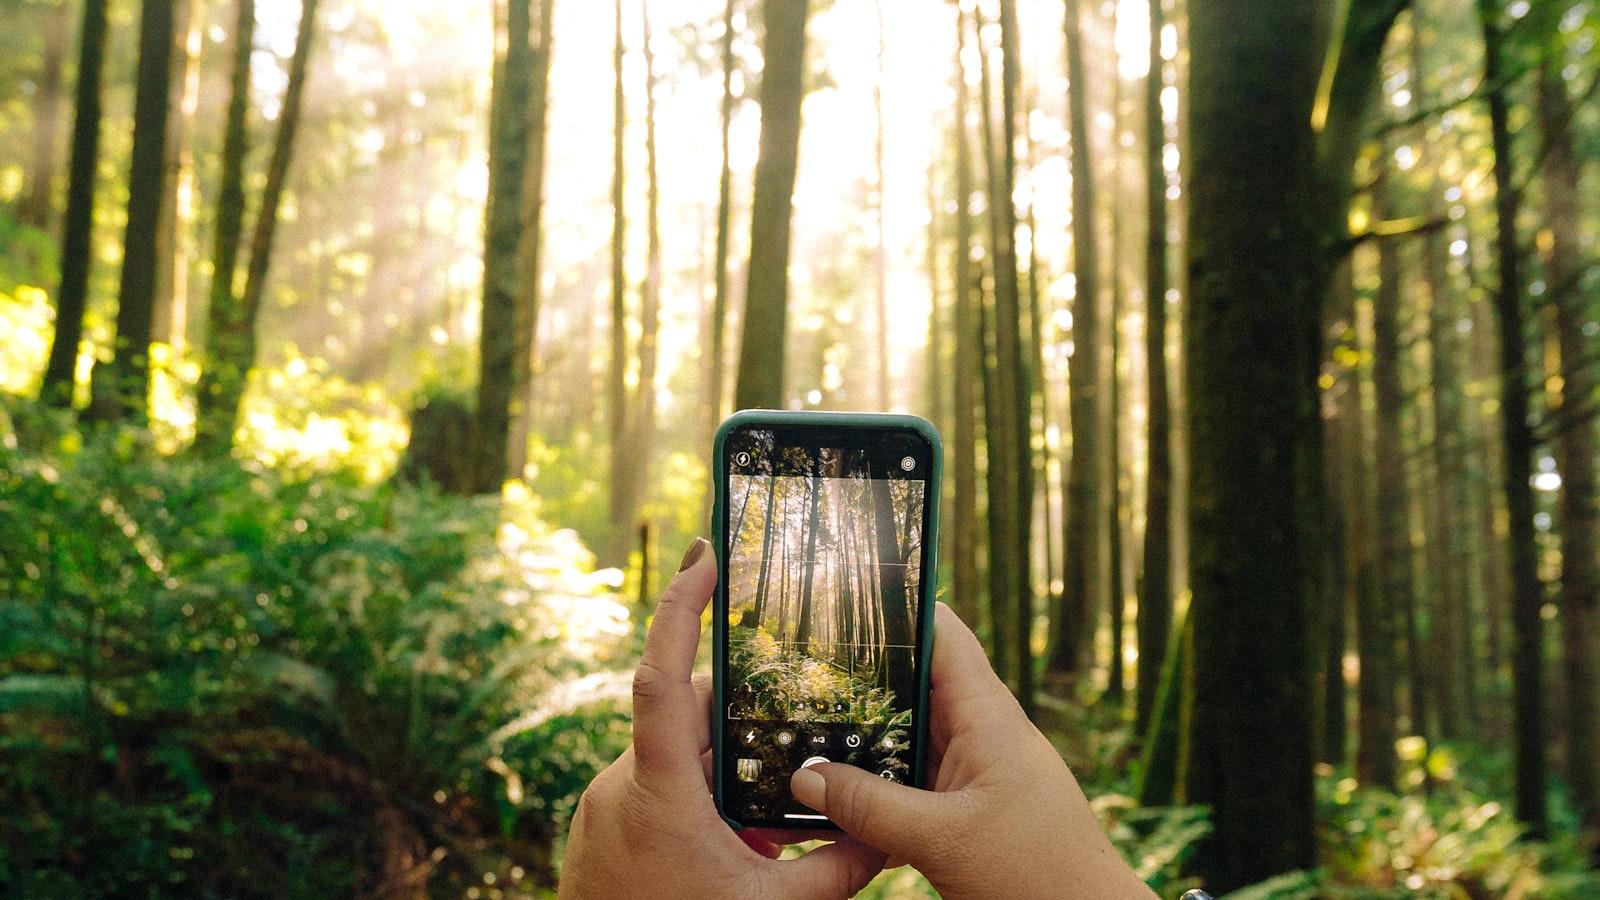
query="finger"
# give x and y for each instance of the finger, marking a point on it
(839, 869)
(964, 690)
(702, 700)
(666, 741)
(891, 817)
(760, 844)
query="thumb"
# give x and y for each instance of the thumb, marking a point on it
(895, 819)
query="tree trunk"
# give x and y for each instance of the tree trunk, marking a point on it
(261, 240)
(502, 234)
(968, 358)
(643, 440)
(615, 551)
(1154, 622)
(1580, 521)
(880, 254)
(894, 601)
(172, 253)
(223, 375)
(1375, 619)
(1007, 561)
(716, 387)
(36, 208)
(761, 346)
(1527, 594)
(809, 563)
(764, 574)
(77, 254)
(1342, 428)
(1073, 640)
(530, 253)
(1115, 687)
(122, 389)
(1253, 473)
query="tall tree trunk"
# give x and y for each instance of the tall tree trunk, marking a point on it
(77, 254)
(1154, 622)
(1073, 640)
(1341, 404)
(122, 389)
(1375, 620)
(222, 376)
(894, 602)
(764, 574)
(530, 253)
(1527, 594)
(261, 239)
(1451, 612)
(1011, 345)
(36, 208)
(808, 565)
(177, 213)
(1575, 448)
(502, 235)
(641, 436)
(1118, 610)
(1008, 569)
(716, 386)
(616, 376)
(761, 345)
(880, 250)
(968, 358)
(1252, 402)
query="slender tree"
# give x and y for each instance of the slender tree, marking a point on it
(241, 347)
(1072, 641)
(761, 345)
(716, 386)
(616, 375)
(78, 229)
(221, 378)
(1341, 410)
(1575, 446)
(172, 238)
(1154, 622)
(641, 437)
(530, 253)
(1527, 594)
(37, 204)
(968, 358)
(502, 235)
(122, 389)
(880, 250)
(808, 563)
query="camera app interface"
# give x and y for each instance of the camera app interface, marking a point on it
(823, 578)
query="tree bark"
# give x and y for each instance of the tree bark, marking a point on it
(761, 345)
(716, 387)
(222, 376)
(1341, 404)
(809, 563)
(1527, 593)
(1251, 370)
(77, 254)
(968, 358)
(36, 208)
(1073, 641)
(530, 252)
(640, 438)
(894, 601)
(1375, 619)
(121, 390)
(880, 251)
(502, 234)
(172, 253)
(1154, 622)
(1575, 449)
(615, 551)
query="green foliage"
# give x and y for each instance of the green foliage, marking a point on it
(226, 680)
(784, 684)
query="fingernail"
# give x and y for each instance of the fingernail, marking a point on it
(693, 554)
(809, 788)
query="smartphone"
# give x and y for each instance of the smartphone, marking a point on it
(825, 527)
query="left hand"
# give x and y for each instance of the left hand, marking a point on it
(647, 826)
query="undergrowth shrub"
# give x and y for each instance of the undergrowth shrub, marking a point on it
(219, 679)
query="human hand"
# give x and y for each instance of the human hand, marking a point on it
(647, 826)
(1005, 817)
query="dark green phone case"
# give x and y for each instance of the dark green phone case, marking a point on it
(719, 616)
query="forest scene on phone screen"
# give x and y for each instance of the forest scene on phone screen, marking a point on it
(823, 584)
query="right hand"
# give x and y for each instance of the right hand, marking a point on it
(1005, 817)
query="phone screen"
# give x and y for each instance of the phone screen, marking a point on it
(824, 568)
